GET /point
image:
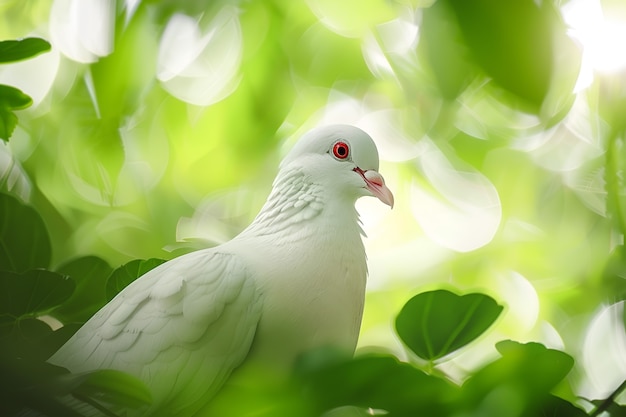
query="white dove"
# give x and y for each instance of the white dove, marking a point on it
(292, 281)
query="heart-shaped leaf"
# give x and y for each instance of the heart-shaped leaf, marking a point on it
(24, 240)
(436, 323)
(127, 273)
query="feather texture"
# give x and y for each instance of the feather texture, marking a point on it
(187, 323)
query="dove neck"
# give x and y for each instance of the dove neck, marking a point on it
(300, 208)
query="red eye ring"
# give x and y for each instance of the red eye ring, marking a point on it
(341, 150)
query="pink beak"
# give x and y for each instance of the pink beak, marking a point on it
(375, 183)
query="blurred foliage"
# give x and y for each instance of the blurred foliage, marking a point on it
(11, 98)
(32, 300)
(434, 325)
(151, 128)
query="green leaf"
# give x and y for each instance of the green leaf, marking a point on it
(614, 276)
(32, 293)
(53, 341)
(26, 383)
(113, 387)
(379, 382)
(17, 50)
(608, 404)
(441, 45)
(525, 374)
(90, 274)
(8, 121)
(609, 408)
(512, 42)
(436, 323)
(558, 407)
(12, 98)
(24, 240)
(127, 273)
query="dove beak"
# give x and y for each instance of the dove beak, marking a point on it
(375, 183)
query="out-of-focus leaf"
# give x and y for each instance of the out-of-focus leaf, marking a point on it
(8, 121)
(24, 383)
(37, 385)
(34, 292)
(566, 70)
(526, 373)
(610, 408)
(17, 336)
(436, 323)
(379, 382)
(53, 341)
(11, 99)
(31, 338)
(608, 405)
(612, 101)
(615, 161)
(441, 44)
(614, 275)
(32, 330)
(127, 273)
(24, 241)
(557, 407)
(90, 274)
(17, 50)
(312, 53)
(471, 149)
(110, 386)
(512, 42)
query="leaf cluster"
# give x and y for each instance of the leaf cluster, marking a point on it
(435, 325)
(525, 380)
(35, 300)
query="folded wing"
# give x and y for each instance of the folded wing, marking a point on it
(181, 328)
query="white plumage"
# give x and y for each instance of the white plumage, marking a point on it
(292, 281)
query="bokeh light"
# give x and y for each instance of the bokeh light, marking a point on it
(601, 36)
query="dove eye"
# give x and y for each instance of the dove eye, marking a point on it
(341, 150)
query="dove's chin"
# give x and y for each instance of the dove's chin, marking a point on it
(375, 183)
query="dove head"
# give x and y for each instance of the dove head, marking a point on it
(341, 159)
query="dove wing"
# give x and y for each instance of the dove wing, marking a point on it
(181, 328)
